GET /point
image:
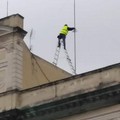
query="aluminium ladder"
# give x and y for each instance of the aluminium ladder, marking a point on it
(70, 62)
(57, 52)
(56, 57)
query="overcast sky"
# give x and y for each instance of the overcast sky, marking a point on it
(97, 24)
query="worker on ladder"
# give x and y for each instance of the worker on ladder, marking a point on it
(63, 33)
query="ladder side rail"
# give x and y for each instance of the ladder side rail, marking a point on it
(69, 61)
(56, 56)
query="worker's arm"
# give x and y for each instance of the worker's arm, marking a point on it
(71, 28)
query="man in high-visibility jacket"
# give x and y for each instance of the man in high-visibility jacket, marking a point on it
(63, 33)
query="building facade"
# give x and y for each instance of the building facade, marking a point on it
(34, 89)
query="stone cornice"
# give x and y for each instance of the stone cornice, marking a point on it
(4, 30)
(77, 104)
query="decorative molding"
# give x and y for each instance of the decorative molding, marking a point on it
(5, 30)
(73, 105)
(78, 104)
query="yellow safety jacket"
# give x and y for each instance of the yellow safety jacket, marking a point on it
(64, 30)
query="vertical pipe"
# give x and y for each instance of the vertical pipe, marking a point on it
(75, 37)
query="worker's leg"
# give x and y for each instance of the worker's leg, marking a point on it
(59, 38)
(64, 42)
(59, 44)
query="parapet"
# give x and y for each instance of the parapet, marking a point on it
(14, 20)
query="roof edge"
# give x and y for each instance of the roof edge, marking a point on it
(11, 16)
(72, 77)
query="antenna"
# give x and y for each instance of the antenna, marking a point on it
(74, 37)
(31, 34)
(7, 7)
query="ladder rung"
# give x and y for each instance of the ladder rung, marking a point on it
(69, 59)
(56, 56)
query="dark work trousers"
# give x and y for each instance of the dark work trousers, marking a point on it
(63, 37)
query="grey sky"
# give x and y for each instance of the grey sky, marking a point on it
(97, 23)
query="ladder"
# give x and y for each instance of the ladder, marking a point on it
(56, 57)
(70, 62)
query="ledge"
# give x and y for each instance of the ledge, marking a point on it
(72, 105)
(79, 103)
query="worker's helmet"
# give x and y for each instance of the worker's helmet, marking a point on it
(65, 25)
